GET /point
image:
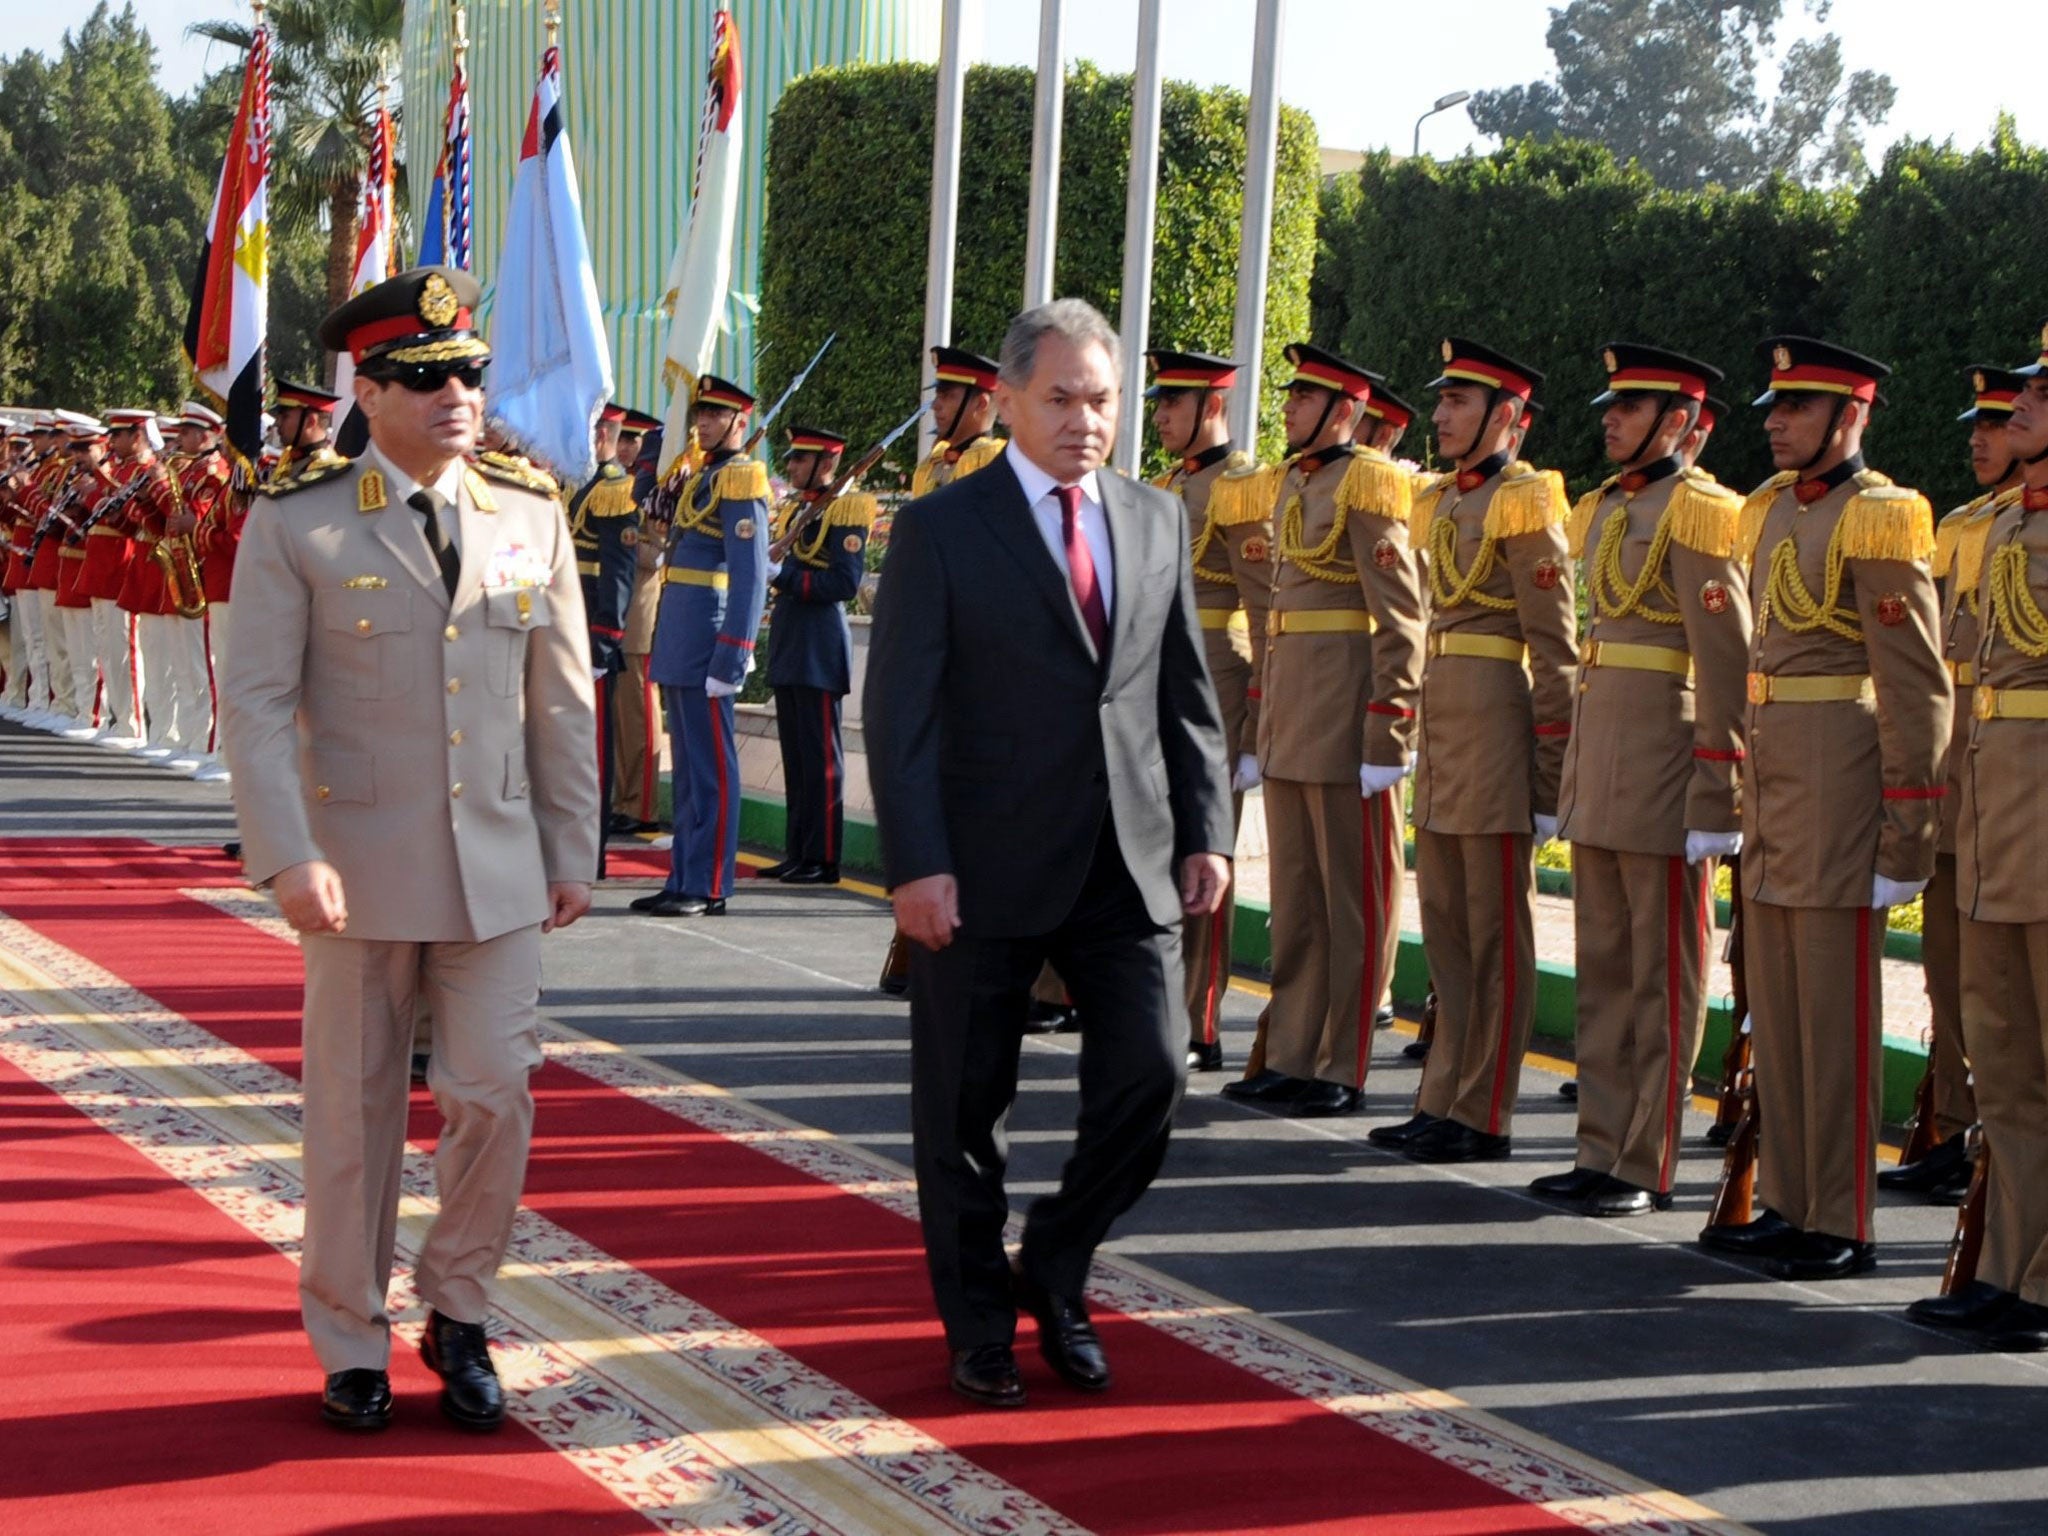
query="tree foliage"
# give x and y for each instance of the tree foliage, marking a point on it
(1673, 85)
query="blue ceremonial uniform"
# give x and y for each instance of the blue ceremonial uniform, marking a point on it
(810, 667)
(604, 523)
(714, 573)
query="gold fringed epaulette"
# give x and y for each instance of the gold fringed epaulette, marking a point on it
(1580, 523)
(741, 480)
(856, 509)
(305, 476)
(1244, 494)
(1755, 508)
(611, 498)
(1705, 515)
(1424, 494)
(1886, 522)
(924, 479)
(1973, 537)
(979, 456)
(1375, 486)
(1950, 529)
(494, 466)
(1527, 500)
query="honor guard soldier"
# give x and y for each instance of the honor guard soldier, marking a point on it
(26, 663)
(169, 599)
(1388, 418)
(49, 673)
(1713, 411)
(810, 650)
(1945, 1106)
(1847, 729)
(636, 707)
(1229, 509)
(1336, 730)
(304, 416)
(134, 441)
(93, 482)
(220, 525)
(603, 522)
(2000, 850)
(715, 568)
(1496, 712)
(55, 499)
(1648, 793)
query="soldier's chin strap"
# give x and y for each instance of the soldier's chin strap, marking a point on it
(1827, 435)
(1322, 421)
(960, 410)
(1636, 460)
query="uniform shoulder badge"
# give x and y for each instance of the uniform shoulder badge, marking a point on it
(495, 467)
(319, 472)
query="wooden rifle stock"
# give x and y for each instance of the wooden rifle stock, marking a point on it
(1965, 1247)
(1418, 1049)
(1735, 1060)
(1735, 1195)
(1920, 1138)
(840, 485)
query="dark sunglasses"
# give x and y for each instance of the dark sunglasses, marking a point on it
(431, 378)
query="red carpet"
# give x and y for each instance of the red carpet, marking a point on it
(1187, 1442)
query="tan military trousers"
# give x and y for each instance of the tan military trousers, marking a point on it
(636, 753)
(360, 998)
(1479, 934)
(1817, 1005)
(1941, 954)
(1643, 924)
(1336, 877)
(2005, 1025)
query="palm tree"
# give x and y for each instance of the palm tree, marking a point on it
(328, 61)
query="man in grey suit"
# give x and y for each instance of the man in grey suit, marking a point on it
(406, 706)
(1046, 755)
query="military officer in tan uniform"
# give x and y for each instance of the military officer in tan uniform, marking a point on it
(1336, 731)
(2000, 849)
(637, 707)
(1847, 729)
(415, 782)
(1648, 794)
(1943, 1173)
(1496, 710)
(1229, 506)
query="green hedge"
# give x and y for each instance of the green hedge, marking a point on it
(849, 176)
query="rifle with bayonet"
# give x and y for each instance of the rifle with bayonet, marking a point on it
(846, 480)
(767, 419)
(1967, 1244)
(661, 506)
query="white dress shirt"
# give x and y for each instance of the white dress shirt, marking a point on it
(401, 487)
(1045, 511)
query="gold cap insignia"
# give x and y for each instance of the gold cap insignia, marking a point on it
(1977, 382)
(370, 495)
(1450, 351)
(1781, 359)
(2044, 333)
(1608, 358)
(438, 305)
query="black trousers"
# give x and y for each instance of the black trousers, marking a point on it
(813, 774)
(604, 688)
(967, 1006)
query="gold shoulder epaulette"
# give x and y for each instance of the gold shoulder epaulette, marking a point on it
(611, 498)
(1527, 500)
(492, 467)
(1244, 493)
(1950, 529)
(925, 477)
(1580, 523)
(980, 456)
(1755, 508)
(1705, 515)
(1973, 535)
(742, 480)
(1375, 486)
(1886, 522)
(856, 509)
(1427, 491)
(1163, 482)
(307, 475)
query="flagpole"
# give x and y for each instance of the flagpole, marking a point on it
(945, 220)
(1041, 229)
(554, 21)
(1255, 237)
(1140, 215)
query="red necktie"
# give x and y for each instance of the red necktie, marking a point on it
(1081, 566)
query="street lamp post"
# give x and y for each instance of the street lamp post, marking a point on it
(1443, 104)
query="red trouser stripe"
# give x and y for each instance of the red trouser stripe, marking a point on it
(1864, 1153)
(1374, 863)
(1509, 980)
(1211, 997)
(1674, 987)
(831, 770)
(718, 835)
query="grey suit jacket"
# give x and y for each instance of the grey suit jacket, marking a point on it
(998, 738)
(441, 756)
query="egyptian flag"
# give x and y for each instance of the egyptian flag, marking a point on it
(551, 368)
(224, 328)
(445, 242)
(373, 264)
(700, 275)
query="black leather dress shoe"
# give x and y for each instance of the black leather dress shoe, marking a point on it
(1613, 1197)
(1765, 1238)
(1976, 1308)
(1267, 1087)
(1397, 1137)
(1568, 1090)
(1818, 1256)
(649, 902)
(1321, 1100)
(232, 850)
(1449, 1141)
(811, 874)
(1932, 1172)
(1065, 1336)
(421, 1060)
(358, 1401)
(1051, 1018)
(1383, 1017)
(621, 825)
(2021, 1330)
(1415, 1050)
(1205, 1057)
(674, 904)
(1573, 1186)
(460, 1355)
(777, 871)
(987, 1374)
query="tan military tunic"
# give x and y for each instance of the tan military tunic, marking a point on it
(637, 742)
(1496, 711)
(1836, 787)
(1655, 746)
(1232, 552)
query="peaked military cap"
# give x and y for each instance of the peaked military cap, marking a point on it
(1806, 365)
(1389, 407)
(1633, 367)
(1712, 409)
(424, 315)
(1326, 370)
(304, 396)
(612, 412)
(951, 365)
(722, 394)
(1996, 390)
(639, 421)
(1471, 362)
(815, 440)
(2040, 364)
(1189, 370)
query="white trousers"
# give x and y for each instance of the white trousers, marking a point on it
(82, 641)
(176, 700)
(114, 637)
(58, 686)
(20, 647)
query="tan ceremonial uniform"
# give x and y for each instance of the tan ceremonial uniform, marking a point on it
(438, 754)
(1230, 519)
(2001, 849)
(1496, 710)
(1655, 746)
(1342, 673)
(637, 749)
(1848, 722)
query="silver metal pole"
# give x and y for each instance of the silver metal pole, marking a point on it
(938, 281)
(1041, 235)
(1140, 214)
(1255, 239)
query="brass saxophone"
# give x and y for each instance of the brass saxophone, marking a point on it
(178, 555)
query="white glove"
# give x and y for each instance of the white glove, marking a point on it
(1247, 775)
(1893, 893)
(774, 569)
(719, 690)
(1375, 779)
(1546, 828)
(1711, 845)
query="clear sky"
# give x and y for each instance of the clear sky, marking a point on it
(1365, 68)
